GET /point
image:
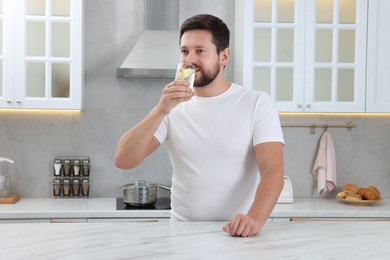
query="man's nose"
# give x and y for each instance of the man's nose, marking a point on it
(190, 58)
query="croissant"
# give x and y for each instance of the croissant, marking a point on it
(353, 197)
(375, 191)
(350, 188)
(369, 194)
(341, 195)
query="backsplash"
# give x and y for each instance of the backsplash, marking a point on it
(112, 105)
(362, 153)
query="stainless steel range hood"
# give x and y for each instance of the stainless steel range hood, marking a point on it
(156, 53)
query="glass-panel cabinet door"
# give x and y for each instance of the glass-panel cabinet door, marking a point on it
(7, 47)
(378, 56)
(1, 52)
(309, 55)
(277, 46)
(6, 54)
(335, 57)
(51, 54)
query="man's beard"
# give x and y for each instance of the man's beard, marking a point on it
(206, 77)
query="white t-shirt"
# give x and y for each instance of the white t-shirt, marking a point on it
(211, 143)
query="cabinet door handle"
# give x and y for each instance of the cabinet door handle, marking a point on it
(18, 101)
(299, 105)
(9, 101)
(308, 106)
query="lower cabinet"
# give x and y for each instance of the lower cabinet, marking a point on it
(81, 220)
(68, 220)
(106, 220)
(124, 220)
(340, 219)
(22, 221)
(280, 219)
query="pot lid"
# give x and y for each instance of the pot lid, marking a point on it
(139, 185)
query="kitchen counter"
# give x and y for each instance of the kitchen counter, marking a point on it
(41, 208)
(195, 240)
(49, 208)
(331, 208)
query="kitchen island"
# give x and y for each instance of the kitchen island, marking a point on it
(195, 240)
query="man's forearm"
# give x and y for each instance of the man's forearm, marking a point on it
(267, 194)
(134, 144)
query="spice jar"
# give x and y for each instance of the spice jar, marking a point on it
(76, 167)
(57, 167)
(57, 187)
(66, 187)
(76, 187)
(86, 167)
(85, 187)
(67, 166)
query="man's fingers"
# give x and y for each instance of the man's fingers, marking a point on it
(242, 225)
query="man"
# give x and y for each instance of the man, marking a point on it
(219, 137)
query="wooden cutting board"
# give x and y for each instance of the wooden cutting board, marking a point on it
(10, 199)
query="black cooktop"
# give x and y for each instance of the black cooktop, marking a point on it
(162, 203)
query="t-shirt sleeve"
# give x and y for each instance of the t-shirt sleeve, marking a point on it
(162, 132)
(266, 125)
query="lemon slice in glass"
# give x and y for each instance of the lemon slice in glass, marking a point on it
(185, 73)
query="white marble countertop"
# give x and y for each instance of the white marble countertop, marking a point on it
(195, 240)
(40, 208)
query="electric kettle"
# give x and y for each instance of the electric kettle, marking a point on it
(6, 175)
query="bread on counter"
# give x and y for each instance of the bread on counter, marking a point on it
(350, 188)
(353, 192)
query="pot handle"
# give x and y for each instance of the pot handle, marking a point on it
(163, 187)
(123, 187)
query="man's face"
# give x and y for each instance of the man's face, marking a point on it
(197, 48)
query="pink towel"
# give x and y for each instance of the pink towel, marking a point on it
(325, 165)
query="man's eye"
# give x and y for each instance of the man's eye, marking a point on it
(184, 51)
(200, 51)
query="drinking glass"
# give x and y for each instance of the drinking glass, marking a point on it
(186, 71)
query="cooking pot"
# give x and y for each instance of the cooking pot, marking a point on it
(141, 194)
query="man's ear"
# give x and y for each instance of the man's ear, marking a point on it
(224, 56)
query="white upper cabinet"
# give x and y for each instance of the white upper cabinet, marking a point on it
(309, 55)
(378, 57)
(41, 59)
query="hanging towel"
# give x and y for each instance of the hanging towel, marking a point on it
(325, 165)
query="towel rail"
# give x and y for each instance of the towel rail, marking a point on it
(349, 125)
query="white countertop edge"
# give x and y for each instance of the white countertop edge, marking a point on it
(46, 208)
(117, 214)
